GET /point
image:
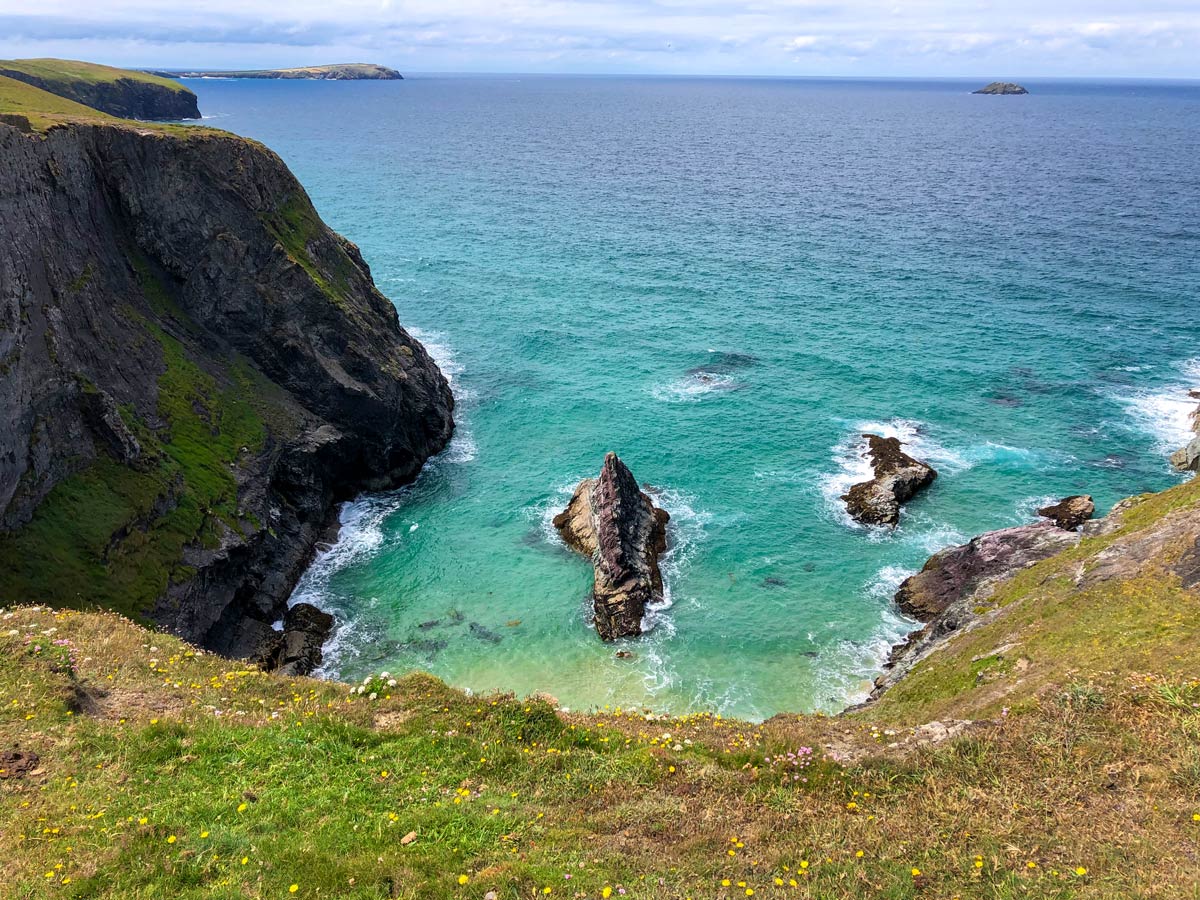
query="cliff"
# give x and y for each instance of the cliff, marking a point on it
(119, 92)
(195, 371)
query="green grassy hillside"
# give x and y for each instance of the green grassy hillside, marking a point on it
(41, 108)
(67, 70)
(118, 92)
(1067, 766)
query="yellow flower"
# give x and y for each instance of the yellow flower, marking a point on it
(1080, 871)
(859, 854)
(1031, 865)
(171, 839)
(547, 889)
(245, 859)
(241, 807)
(671, 769)
(292, 888)
(724, 882)
(749, 892)
(204, 834)
(463, 879)
(143, 820)
(606, 893)
(915, 872)
(1196, 817)
(154, 721)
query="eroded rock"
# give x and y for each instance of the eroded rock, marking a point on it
(898, 477)
(1001, 88)
(1070, 512)
(611, 520)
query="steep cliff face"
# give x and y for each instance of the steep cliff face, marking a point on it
(194, 371)
(126, 94)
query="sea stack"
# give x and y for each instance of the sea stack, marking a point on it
(615, 523)
(898, 477)
(1001, 88)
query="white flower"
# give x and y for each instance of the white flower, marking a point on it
(391, 682)
(373, 696)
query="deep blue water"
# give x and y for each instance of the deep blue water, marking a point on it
(727, 281)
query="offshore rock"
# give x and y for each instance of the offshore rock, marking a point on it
(194, 372)
(1001, 88)
(612, 521)
(898, 477)
(1070, 512)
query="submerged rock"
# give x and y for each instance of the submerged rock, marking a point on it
(612, 521)
(898, 477)
(1070, 512)
(1001, 87)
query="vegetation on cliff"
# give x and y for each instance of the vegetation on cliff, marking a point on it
(119, 92)
(196, 371)
(1063, 765)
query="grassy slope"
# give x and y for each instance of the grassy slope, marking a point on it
(169, 773)
(41, 108)
(60, 70)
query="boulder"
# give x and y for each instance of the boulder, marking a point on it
(616, 524)
(1001, 87)
(297, 649)
(1070, 512)
(1187, 459)
(898, 477)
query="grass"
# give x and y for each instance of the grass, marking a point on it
(41, 108)
(71, 70)
(296, 225)
(165, 771)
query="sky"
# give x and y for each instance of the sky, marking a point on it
(978, 38)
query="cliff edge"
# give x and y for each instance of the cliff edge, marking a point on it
(119, 92)
(195, 371)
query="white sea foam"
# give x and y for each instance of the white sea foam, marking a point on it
(853, 465)
(693, 387)
(462, 447)
(1165, 413)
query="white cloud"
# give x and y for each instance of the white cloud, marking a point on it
(853, 37)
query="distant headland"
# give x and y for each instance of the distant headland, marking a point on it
(339, 72)
(1001, 87)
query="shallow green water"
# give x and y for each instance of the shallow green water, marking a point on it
(727, 282)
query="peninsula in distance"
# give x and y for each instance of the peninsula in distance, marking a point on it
(335, 72)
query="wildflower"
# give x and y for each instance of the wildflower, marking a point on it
(171, 839)
(292, 888)
(245, 859)
(915, 872)
(859, 854)
(724, 882)
(463, 879)
(241, 807)
(1080, 871)
(547, 889)
(606, 893)
(204, 834)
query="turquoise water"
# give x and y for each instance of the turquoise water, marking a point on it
(726, 282)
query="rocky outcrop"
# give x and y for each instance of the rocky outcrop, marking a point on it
(296, 650)
(1070, 512)
(1187, 459)
(948, 590)
(1001, 87)
(195, 372)
(126, 98)
(898, 477)
(612, 521)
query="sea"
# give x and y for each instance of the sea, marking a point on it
(727, 282)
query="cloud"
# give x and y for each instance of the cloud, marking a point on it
(859, 37)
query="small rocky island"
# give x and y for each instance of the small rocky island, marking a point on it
(337, 72)
(1001, 88)
(898, 478)
(612, 521)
